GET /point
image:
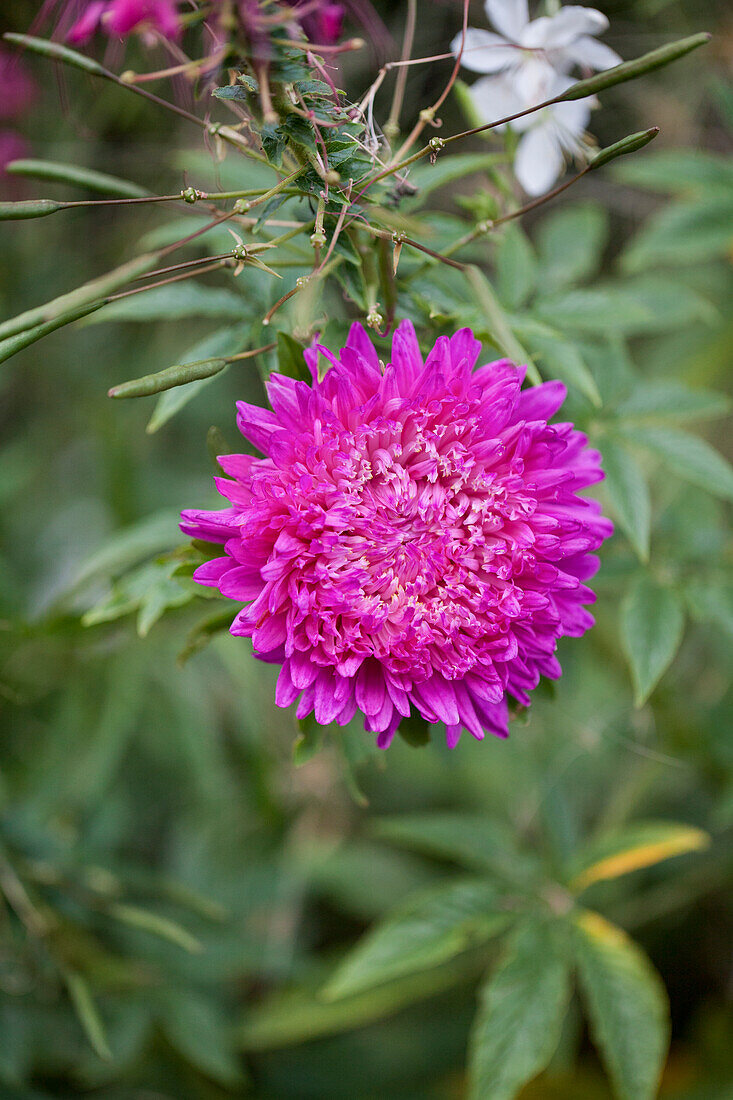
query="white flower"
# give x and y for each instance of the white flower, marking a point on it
(547, 135)
(528, 63)
(528, 49)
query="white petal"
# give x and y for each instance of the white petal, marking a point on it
(572, 117)
(572, 22)
(588, 53)
(495, 97)
(539, 160)
(534, 35)
(534, 80)
(484, 52)
(508, 16)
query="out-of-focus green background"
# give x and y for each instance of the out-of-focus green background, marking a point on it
(159, 848)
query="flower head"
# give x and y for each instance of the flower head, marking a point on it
(528, 63)
(413, 541)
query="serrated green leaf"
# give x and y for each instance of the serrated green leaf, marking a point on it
(570, 243)
(232, 92)
(627, 1005)
(273, 143)
(652, 624)
(641, 844)
(628, 491)
(521, 1012)
(432, 927)
(516, 268)
(690, 457)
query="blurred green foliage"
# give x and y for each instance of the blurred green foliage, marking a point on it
(188, 911)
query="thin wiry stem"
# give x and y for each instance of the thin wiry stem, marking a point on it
(392, 126)
(428, 115)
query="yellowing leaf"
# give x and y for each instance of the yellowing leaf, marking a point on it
(639, 846)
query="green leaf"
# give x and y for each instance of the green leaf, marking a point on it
(689, 232)
(204, 632)
(652, 624)
(432, 927)
(290, 361)
(521, 1013)
(474, 841)
(87, 1013)
(571, 242)
(628, 492)
(174, 303)
(516, 267)
(233, 91)
(663, 399)
(690, 457)
(429, 177)
(78, 177)
(273, 143)
(293, 1016)
(126, 548)
(635, 307)
(149, 590)
(309, 741)
(624, 850)
(227, 341)
(199, 1030)
(711, 601)
(67, 307)
(156, 924)
(559, 358)
(496, 323)
(679, 171)
(57, 52)
(627, 1005)
(414, 730)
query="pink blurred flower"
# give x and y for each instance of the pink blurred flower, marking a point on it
(322, 22)
(413, 539)
(120, 18)
(18, 89)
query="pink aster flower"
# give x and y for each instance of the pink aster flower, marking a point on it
(413, 540)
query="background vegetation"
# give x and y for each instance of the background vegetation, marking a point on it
(178, 889)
